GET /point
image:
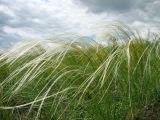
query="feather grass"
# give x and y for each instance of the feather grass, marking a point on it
(73, 79)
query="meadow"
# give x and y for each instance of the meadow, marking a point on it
(82, 79)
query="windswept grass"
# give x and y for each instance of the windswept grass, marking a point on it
(76, 80)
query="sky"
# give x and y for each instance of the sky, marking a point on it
(22, 20)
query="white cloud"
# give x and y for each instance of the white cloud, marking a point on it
(19, 32)
(7, 10)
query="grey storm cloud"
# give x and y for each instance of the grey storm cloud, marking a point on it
(4, 19)
(130, 10)
(98, 6)
(145, 10)
(121, 6)
(7, 40)
(139, 13)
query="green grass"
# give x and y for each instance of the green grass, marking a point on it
(81, 80)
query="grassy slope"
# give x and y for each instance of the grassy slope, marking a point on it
(81, 82)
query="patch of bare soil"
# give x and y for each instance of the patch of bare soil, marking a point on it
(149, 112)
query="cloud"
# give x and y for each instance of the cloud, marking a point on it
(98, 6)
(28, 19)
(40, 18)
(118, 6)
(8, 40)
(141, 14)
